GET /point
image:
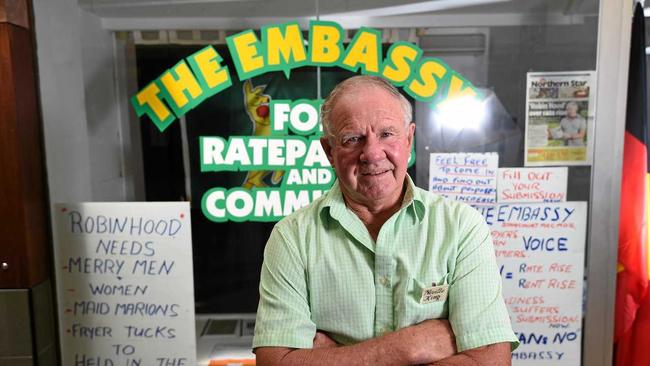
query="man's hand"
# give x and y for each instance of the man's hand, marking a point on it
(497, 354)
(322, 340)
(426, 342)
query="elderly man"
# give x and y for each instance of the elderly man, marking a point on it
(573, 125)
(378, 271)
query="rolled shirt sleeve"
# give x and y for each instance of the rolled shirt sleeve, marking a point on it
(477, 312)
(283, 314)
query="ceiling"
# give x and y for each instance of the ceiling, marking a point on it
(335, 8)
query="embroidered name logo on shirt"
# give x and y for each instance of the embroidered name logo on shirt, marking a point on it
(434, 294)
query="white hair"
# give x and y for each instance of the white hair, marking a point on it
(348, 85)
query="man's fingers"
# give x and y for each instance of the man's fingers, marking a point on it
(322, 340)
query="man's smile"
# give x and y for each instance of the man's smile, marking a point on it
(375, 172)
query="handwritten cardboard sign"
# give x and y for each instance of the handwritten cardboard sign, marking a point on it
(540, 252)
(529, 185)
(466, 177)
(125, 285)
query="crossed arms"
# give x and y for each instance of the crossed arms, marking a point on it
(285, 324)
(430, 342)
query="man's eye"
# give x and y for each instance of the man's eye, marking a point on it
(352, 140)
(386, 134)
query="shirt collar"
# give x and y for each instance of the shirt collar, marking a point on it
(413, 203)
(413, 200)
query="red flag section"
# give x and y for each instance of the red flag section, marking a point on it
(632, 279)
(632, 316)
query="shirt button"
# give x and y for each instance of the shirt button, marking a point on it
(384, 281)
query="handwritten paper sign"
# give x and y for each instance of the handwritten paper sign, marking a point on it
(466, 177)
(125, 286)
(540, 253)
(529, 185)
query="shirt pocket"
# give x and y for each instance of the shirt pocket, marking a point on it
(415, 311)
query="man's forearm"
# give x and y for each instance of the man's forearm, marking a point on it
(422, 343)
(387, 350)
(497, 354)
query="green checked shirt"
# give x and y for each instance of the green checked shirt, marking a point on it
(322, 270)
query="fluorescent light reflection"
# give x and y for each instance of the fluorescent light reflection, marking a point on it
(460, 113)
(415, 8)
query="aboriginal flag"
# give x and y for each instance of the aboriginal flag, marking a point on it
(632, 317)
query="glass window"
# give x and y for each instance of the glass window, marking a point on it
(521, 57)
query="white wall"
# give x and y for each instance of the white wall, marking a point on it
(102, 123)
(88, 141)
(58, 48)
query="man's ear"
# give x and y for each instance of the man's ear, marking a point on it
(325, 143)
(410, 133)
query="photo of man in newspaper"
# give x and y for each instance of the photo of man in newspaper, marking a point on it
(559, 118)
(572, 128)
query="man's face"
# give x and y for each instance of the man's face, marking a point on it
(571, 111)
(370, 146)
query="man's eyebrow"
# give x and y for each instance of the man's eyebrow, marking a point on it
(351, 131)
(391, 129)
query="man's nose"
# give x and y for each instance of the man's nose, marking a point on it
(373, 150)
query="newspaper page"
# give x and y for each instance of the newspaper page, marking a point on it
(559, 118)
